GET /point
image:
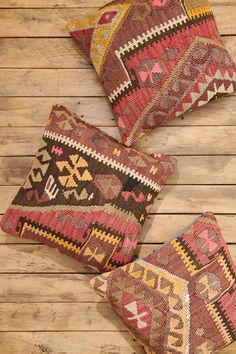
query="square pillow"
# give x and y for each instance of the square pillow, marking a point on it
(86, 194)
(180, 299)
(156, 59)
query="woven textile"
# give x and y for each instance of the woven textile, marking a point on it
(181, 299)
(86, 194)
(156, 59)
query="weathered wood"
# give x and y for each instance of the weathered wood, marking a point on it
(53, 3)
(49, 82)
(171, 200)
(42, 259)
(52, 22)
(43, 53)
(59, 317)
(34, 111)
(195, 140)
(53, 288)
(58, 82)
(158, 228)
(37, 259)
(191, 170)
(74, 343)
(47, 288)
(72, 3)
(55, 53)
(69, 343)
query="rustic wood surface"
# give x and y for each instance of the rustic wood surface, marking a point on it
(46, 304)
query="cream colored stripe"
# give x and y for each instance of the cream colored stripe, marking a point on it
(102, 158)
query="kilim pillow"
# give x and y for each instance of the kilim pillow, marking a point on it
(156, 59)
(181, 298)
(86, 194)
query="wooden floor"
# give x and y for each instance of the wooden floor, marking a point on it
(46, 304)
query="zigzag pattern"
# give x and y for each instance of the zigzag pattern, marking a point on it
(101, 158)
(136, 68)
(208, 88)
(159, 297)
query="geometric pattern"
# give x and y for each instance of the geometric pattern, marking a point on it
(167, 56)
(181, 298)
(86, 194)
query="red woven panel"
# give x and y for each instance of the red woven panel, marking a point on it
(86, 194)
(156, 59)
(181, 298)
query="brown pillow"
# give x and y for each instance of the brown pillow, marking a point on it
(156, 59)
(86, 194)
(180, 299)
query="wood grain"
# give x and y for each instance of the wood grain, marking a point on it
(29, 259)
(71, 343)
(49, 82)
(73, 3)
(46, 302)
(44, 53)
(52, 343)
(191, 170)
(49, 288)
(59, 317)
(34, 111)
(186, 140)
(52, 22)
(55, 53)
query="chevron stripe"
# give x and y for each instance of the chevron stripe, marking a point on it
(202, 87)
(102, 158)
(136, 42)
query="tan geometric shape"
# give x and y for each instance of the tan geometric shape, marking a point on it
(208, 287)
(78, 162)
(109, 185)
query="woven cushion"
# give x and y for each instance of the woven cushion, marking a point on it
(86, 194)
(156, 59)
(181, 298)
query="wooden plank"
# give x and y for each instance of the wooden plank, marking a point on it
(59, 317)
(55, 53)
(36, 258)
(161, 228)
(49, 82)
(69, 343)
(52, 22)
(53, 3)
(187, 140)
(191, 170)
(24, 288)
(43, 53)
(72, 3)
(75, 343)
(158, 228)
(29, 259)
(172, 199)
(55, 82)
(34, 111)
(56, 287)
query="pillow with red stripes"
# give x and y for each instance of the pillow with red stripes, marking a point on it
(86, 194)
(156, 59)
(180, 298)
